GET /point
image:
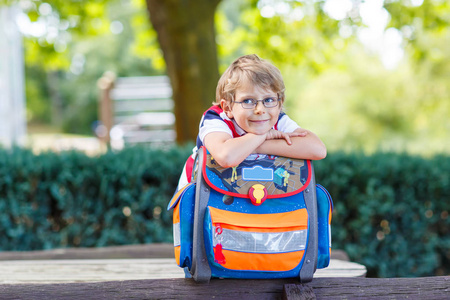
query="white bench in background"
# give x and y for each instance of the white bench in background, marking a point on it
(136, 110)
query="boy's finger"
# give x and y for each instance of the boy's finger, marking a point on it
(288, 139)
(297, 134)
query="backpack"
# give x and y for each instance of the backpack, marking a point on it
(265, 218)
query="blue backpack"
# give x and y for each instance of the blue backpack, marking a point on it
(265, 218)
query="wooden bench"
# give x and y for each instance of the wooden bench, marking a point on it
(133, 262)
(135, 110)
(428, 288)
(57, 276)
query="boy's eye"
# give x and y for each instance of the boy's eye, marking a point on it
(248, 101)
(270, 100)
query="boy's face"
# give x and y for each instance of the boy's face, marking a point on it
(257, 120)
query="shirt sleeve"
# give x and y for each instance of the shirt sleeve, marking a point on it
(212, 122)
(286, 124)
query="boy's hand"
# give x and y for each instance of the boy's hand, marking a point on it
(273, 134)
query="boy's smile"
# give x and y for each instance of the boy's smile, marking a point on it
(257, 120)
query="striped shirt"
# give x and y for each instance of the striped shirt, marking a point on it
(215, 120)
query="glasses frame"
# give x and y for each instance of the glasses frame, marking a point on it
(255, 104)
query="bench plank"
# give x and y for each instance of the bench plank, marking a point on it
(95, 270)
(153, 250)
(324, 288)
(298, 292)
(127, 262)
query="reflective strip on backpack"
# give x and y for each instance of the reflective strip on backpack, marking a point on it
(262, 242)
(176, 234)
(329, 235)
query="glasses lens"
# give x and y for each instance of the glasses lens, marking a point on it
(270, 102)
(252, 103)
(249, 103)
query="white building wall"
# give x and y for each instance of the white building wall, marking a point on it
(12, 85)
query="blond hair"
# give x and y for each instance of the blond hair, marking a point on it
(249, 67)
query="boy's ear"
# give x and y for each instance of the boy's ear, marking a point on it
(226, 106)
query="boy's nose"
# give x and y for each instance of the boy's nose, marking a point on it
(260, 108)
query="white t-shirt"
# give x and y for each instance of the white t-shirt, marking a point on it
(215, 120)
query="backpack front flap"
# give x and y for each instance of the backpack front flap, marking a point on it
(259, 177)
(256, 223)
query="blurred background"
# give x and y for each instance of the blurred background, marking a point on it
(371, 78)
(364, 75)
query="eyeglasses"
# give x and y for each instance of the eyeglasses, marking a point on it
(268, 102)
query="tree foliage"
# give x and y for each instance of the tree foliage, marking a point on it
(336, 86)
(311, 45)
(368, 107)
(67, 75)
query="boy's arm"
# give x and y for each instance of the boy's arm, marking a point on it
(302, 147)
(229, 152)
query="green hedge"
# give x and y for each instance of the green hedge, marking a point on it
(391, 210)
(70, 199)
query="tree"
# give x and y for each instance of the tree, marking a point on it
(187, 38)
(306, 33)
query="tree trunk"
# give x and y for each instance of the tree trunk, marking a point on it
(185, 30)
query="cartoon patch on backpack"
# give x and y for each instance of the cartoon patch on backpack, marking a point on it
(279, 175)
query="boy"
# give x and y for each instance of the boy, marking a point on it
(247, 118)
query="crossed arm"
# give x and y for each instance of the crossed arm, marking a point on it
(229, 151)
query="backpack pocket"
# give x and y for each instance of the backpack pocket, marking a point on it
(183, 221)
(324, 211)
(256, 242)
